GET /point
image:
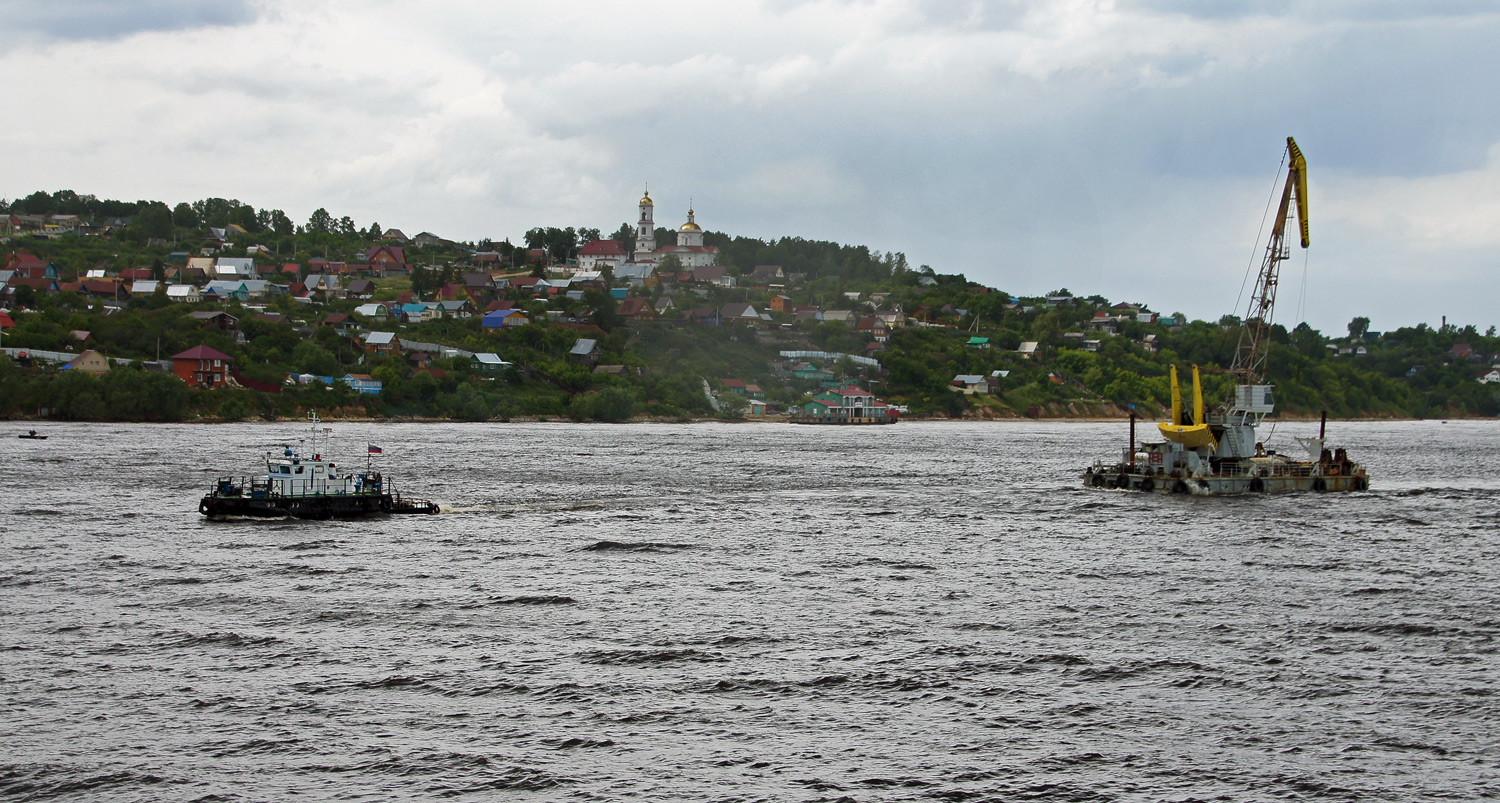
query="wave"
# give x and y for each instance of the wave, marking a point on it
(633, 657)
(626, 546)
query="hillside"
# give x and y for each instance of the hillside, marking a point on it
(297, 306)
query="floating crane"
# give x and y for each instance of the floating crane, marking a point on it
(1216, 451)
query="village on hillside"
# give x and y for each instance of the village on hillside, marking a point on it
(650, 321)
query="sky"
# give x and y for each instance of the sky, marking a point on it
(1127, 149)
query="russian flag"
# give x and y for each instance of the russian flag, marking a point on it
(374, 449)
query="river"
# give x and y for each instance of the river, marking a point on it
(708, 612)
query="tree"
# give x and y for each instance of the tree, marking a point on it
(1358, 327)
(281, 224)
(375, 231)
(587, 235)
(184, 217)
(154, 220)
(625, 235)
(320, 221)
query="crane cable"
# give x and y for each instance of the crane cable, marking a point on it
(1254, 247)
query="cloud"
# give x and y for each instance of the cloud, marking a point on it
(107, 19)
(1122, 148)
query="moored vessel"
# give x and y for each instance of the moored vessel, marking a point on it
(299, 486)
(1218, 451)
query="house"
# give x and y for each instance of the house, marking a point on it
(186, 293)
(733, 385)
(713, 274)
(663, 305)
(6, 322)
(707, 316)
(144, 287)
(202, 366)
(768, 274)
(456, 309)
(419, 312)
(387, 259)
(487, 362)
(29, 266)
(840, 315)
(532, 284)
(739, 312)
(341, 321)
(638, 274)
(977, 342)
(89, 362)
(381, 343)
(971, 383)
(324, 286)
(1462, 351)
(1028, 349)
(363, 383)
(1489, 376)
(586, 350)
(598, 254)
(221, 320)
(235, 268)
(638, 310)
(504, 319)
(224, 290)
(395, 236)
(781, 304)
(872, 326)
(428, 238)
(359, 289)
(375, 310)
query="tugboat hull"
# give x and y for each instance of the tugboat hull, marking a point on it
(222, 508)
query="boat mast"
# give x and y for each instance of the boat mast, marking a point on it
(1249, 366)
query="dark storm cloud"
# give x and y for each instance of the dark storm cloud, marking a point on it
(109, 19)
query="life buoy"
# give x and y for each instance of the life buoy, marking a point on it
(1179, 487)
(1361, 484)
(1097, 481)
(1148, 484)
(1319, 485)
(1256, 485)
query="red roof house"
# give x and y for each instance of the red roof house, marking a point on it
(202, 366)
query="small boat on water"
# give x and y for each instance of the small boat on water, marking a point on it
(32, 436)
(1218, 451)
(301, 487)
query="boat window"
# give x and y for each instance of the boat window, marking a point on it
(299, 469)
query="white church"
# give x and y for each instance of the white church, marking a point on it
(689, 250)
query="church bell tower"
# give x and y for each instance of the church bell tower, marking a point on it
(645, 228)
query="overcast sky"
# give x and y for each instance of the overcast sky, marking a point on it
(1122, 148)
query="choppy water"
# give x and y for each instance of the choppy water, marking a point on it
(926, 612)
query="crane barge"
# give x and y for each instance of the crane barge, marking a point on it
(1217, 451)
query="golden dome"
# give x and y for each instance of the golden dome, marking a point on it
(690, 226)
(646, 200)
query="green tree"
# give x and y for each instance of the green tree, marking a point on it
(184, 217)
(1358, 327)
(154, 220)
(320, 221)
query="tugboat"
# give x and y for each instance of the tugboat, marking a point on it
(300, 487)
(1217, 452)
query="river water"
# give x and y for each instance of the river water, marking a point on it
(924, 612)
